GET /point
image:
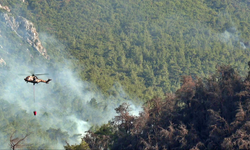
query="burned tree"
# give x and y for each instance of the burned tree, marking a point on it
(16, 142)
(205, 113)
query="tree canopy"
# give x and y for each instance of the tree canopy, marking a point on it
(133, 51)
(144, 45)
(210, 113)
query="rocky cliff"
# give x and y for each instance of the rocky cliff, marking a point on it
(24, 29)
(2, 62)
(5, 8)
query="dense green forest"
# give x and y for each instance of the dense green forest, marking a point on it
(144, 45)
(106, 52)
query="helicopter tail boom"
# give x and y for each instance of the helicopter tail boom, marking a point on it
(48, 81)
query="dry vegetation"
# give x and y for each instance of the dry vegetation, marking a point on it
(210, 113)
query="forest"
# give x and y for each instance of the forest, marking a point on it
(210, 113)
(183, 61)
(144, 45)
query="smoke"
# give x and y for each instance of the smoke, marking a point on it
(4, 141)
(227, 36)
(64, 110)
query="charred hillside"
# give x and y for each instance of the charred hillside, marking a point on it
(211, 113)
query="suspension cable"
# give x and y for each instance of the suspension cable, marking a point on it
(34, 93)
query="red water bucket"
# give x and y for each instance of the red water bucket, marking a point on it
(34, 113)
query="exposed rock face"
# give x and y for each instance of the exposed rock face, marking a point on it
(26, 30)
(5, 8)
(2, 62)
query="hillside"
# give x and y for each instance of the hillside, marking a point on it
(214, 114)
(106, 52)
(66, 107)
(144, 45)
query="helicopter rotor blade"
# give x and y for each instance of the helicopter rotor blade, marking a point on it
(31, 72)
(41, 74)
(23, 74)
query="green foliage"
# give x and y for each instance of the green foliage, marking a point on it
(110, 39)
(214, 109)
(57, 135)
(143, 46)
(105, 129)
(82, 146)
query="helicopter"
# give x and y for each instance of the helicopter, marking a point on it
(34, 79)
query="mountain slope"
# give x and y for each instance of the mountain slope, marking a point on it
(209, 113)
(143, 47)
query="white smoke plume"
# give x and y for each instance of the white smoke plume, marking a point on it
(54, 111)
